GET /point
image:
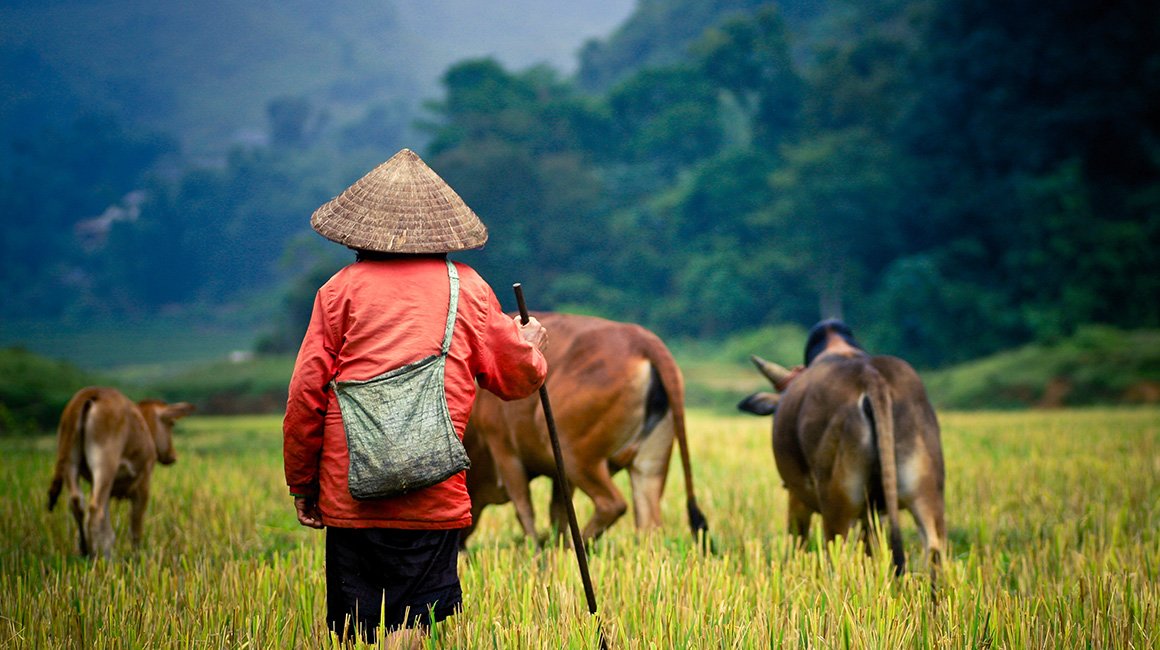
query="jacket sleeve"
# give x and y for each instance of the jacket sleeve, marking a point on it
(302, 428)
(511, 367)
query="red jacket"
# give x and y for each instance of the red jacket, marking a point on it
(371, 317)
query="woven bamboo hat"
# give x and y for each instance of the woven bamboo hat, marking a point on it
(401, 206)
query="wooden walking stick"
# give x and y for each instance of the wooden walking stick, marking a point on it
(564, 488)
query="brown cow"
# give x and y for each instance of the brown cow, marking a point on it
(852, 430)
(111, 442)
(618, 402)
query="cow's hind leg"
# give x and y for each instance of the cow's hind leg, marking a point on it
(648, 472)
(844, 497)
(559, 511)
(920, 494)
(837, 516)
(845, 459)
(515, 480)
(76, 496)
(137, 514)
(927, 509)
(646, 498)
(799, 519)
(870, 526)
(596, 482)
(97, 525)
(865, 535)
(77, 508)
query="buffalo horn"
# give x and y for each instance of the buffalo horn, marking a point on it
(774, 373)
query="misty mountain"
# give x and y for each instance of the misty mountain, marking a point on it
(207, 70)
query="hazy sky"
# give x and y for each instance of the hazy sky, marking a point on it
(519, 34)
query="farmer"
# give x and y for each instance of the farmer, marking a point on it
(389, 542)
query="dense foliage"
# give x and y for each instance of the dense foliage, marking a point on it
(953, 177)
(34, 390)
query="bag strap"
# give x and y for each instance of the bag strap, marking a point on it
(453, 308)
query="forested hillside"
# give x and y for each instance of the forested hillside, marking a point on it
(660, 32)
(160, 155)
(953, 177)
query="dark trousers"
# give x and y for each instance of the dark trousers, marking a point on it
(401, 578)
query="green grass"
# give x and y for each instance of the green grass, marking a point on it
(718, 374)
(255, 385)
(1098, 365)
(188, 357)
(1053, 516)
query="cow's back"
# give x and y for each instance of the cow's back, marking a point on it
(115, 426)
(597, 354)
(825, 390)
(591, 363)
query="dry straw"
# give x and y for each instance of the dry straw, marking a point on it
(401, 206)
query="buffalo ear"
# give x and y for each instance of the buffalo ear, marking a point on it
(178, 410)
(760, 403)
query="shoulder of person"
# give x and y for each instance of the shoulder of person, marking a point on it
(337, 280)
(469, 277)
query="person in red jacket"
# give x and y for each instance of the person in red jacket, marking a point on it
(389, 309)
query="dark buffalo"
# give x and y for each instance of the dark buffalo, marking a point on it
(853, 431)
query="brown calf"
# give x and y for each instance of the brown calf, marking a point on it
(854, 431)
(618, 402)
(111, 442)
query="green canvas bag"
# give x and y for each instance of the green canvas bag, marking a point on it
(398, 428)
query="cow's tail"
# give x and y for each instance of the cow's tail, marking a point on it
(670, 376)
(70, 436)
(879, 409)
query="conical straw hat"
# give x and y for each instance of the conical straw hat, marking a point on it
(401, 206)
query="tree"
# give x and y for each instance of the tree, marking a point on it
(835, 206)
(310, 263)
(749, 56)
(514, 147)
(656, 35)
(666, 116)
(1029, 124)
